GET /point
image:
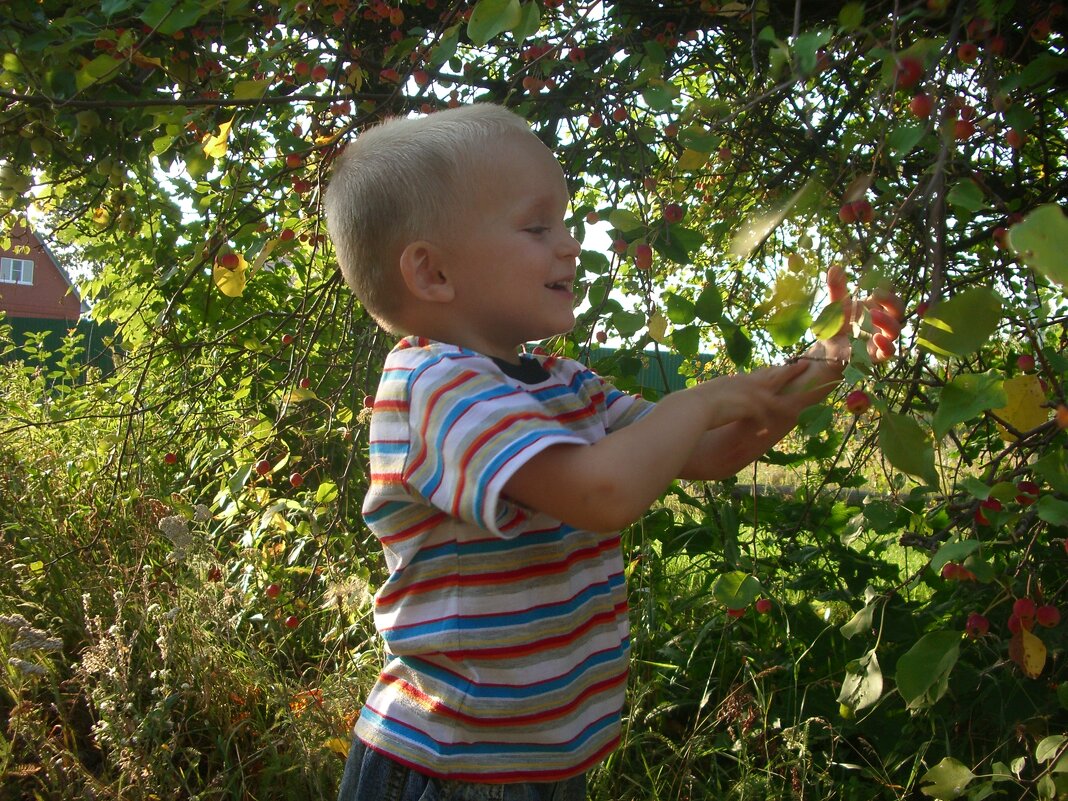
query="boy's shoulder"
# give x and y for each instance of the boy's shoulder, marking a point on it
(420, 354)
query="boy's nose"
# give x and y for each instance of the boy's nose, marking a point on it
(571, 246)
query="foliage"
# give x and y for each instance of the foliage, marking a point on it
(178, 151)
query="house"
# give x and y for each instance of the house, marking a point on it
(40, 304)
(33, 284)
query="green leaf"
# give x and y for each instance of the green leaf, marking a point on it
(1053, 510)
(737, 343)
(959, 326)
(687, 341)
(953, 552)
(680, 310)
(904, 138)
(863, 685)
(1042, 69)
(679, 244)
(851, 16)
(626, 221)
(529, 21)
(923, 671)
(628, 323)
(788, 323)
(1053, 468)
(968, 195)
(806, 46)
(699, 139)
(101, 69)
(168, 18)
(907, 447)
(446, 47)
(946, 780)
(112, 7)
(1041, 241)
(737, 589)
(1048, 747)
(492, 17)
(250, 90)
(829, 321)
(862, 619)
(965, 397)
(709, 304)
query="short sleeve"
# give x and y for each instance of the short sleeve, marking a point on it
(470, 430)
(622, 409)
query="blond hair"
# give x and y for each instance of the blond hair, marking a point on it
(400, 181)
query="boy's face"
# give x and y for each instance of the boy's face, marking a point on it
(511, 257)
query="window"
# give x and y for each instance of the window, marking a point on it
(16, 271)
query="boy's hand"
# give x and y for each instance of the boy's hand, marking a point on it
(883, 308)
(755, 397)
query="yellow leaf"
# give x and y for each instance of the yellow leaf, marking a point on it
(658, 327)
(101, 216)
(297, 395)
(338, 746)
(215, 144)
(231, 280)
(692, 159)
(250, 90)
(1029, 652)
(142, 60)
(265, 251)
(1026, 405)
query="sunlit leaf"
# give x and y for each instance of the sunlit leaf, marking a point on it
(231, 281)
(863, 685)
(965, 397)
(1028, 652)
(658, 327)
(759, 225)
(907, 447)
(492, 17)
(1025, 405)
(923, 671)
(215, 145)
(1041, 241)
(947, 780)
(961, 325)
(737, 589)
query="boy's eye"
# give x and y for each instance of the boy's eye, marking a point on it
(537, 229)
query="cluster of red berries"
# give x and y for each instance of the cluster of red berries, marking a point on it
(1025, 614)
(761, 605)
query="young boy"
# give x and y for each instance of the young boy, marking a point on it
(500, 481)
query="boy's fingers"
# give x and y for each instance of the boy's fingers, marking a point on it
(836, 282)
(884, 346)
(890, 301)
(885, 322)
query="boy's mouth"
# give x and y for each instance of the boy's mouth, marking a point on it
(561, 286)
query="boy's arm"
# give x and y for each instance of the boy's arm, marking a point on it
(722, 452)
(609, 484)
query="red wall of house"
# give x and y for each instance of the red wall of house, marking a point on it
(48, 297)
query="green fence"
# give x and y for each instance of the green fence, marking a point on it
(95, 346)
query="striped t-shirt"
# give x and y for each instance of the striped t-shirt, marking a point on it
(506, 631)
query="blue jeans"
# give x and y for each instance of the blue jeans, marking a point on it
(370, 776)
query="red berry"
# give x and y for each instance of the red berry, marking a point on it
(1025, 362)
(968, 53)
(620, 114)
(593, 218)
(619, 246)
(294, 160)
(847, 213)
(735, 613)
(229, 260)
(287, 339)
(643, 256)
(996, 45)
(368, 401)
(858, 402)
(215, 574)
(921, 106)
(296, 479)
(976, 626)
(1014, 139)
(763, 606)
(1024, 608)
(319, 73)
(989, 505)
(1048, 616)
(272, 591)
(963, 129)
(263, 467)
(673, 212)
(725, 155)
(170, 457)
(1028, 493)
(595, 120)
(292, 622)
(601, 337)
(305, 383)
(909, 73)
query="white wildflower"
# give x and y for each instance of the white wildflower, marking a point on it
(176, 529)
(28, 668)
(15, 622)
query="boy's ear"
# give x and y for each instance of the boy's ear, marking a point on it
(419, 265)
